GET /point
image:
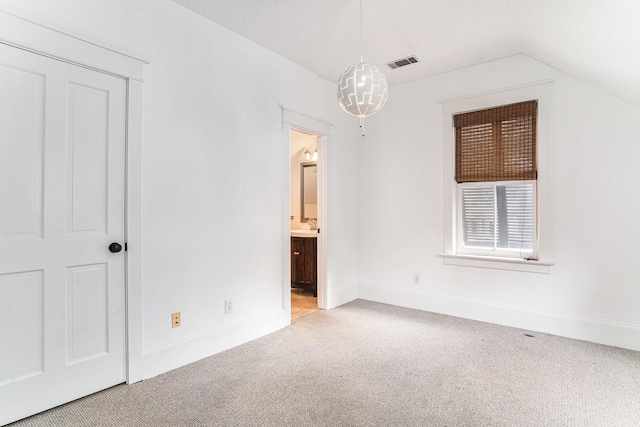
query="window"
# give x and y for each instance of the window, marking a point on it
(508, 225)
(495, 175)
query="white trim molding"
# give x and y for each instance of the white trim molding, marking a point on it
(306, 122)
(343, 294)
(296, 120)
(57, 44)
(162, 358)
(585, 328)
(498, 263)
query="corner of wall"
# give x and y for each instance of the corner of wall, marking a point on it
(343, 295)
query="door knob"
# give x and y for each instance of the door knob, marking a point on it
(115, 247)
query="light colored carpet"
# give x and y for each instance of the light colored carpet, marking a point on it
(370, 364)
(302, 302)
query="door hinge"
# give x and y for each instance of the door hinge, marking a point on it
(125, 246)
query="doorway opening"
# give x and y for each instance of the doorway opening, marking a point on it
(294, 123)
(304, 204)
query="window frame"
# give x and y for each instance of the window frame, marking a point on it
(451, 254)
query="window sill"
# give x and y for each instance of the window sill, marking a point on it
(498, 263)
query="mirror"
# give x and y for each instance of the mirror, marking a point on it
(309, 191)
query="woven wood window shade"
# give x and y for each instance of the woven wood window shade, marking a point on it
(497, 144)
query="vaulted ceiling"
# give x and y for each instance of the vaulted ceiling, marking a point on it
(596, 41)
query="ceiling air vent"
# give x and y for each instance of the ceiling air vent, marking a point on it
(402, 62)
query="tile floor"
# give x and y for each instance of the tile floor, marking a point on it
(302, 302)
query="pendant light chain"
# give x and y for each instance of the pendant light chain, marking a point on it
(361, 43)
(361, 61)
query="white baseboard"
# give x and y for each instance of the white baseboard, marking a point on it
(160, 359)
(343, 295)
(164, 358)
(595, 330)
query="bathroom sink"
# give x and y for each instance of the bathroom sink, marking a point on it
(304, 233)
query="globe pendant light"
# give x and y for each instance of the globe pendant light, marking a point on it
(362, 88)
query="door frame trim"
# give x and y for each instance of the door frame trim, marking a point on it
(25, 34)
(62, 45)
(296, 120)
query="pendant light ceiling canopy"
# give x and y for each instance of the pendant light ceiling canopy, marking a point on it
(362, 88)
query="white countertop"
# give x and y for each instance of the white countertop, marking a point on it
(304, 233)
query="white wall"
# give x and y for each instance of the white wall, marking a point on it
(213, 171)
(343, 218)
(592, 292)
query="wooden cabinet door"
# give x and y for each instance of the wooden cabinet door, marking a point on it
(303, 263)
(309, 259)
(297, 258)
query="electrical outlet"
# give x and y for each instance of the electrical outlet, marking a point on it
(416, 278)
(175, 319)
(228, 306)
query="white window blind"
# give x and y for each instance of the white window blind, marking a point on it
(498, 216)
(520, 216)
(479, 216)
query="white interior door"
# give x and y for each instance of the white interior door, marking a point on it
(62, 180)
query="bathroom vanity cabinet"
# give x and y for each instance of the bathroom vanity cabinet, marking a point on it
(304, 260)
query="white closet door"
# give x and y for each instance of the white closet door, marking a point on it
(62, 178)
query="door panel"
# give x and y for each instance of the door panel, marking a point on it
(23, 358)
(86, 313)
(88, 149)
(62, 304)
(21, 161)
